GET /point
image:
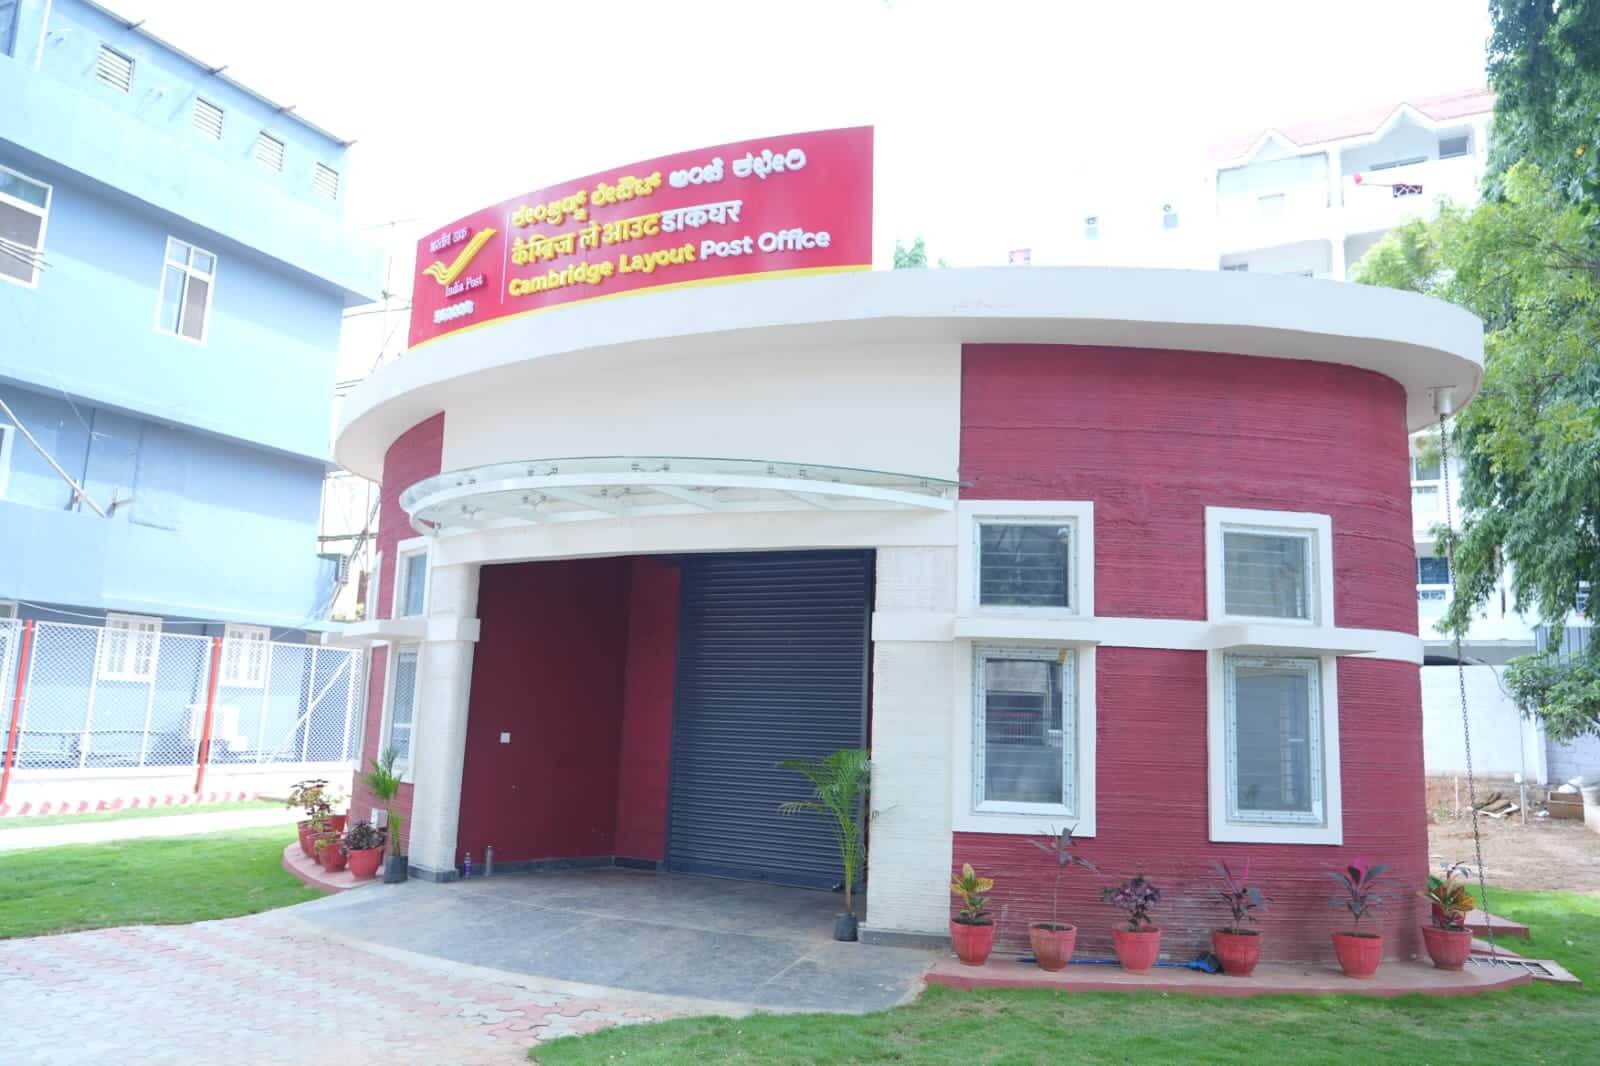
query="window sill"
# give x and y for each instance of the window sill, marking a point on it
(1236, 833)
(1022, 823)
(1053, 629)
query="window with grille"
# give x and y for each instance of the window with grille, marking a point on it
(244, 655)
(24, 210)
(207, 119)
(402, 704)
(1025, 564)
(113, 68)
(1024, 730)
(1274, 740)
(129, 645)
(325, 181)
(269, 152)
(1433, 570)
(1268, 573)
(187, 279)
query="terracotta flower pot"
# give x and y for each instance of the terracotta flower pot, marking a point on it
(1448, 948)
(1359, 953)
(308, 840)
(339, 822)
(972, 942)
(1137, 951)
(1237, 951)
(364, 863)
(1052, 944)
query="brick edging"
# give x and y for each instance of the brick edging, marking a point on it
(120, 803)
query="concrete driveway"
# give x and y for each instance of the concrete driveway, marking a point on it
(757, 945)
(467, 974)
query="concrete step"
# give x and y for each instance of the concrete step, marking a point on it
(1480, 922)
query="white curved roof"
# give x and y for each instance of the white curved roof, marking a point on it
(1420, 342)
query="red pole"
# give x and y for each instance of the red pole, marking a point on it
(16, 708)
(204, 751)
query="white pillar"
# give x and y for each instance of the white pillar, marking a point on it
(908, 863)
(444, 683)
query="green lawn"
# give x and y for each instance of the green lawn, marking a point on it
(1540, 1024)
(146, 882)
(30, 821)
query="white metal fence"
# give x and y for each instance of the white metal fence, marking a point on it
(84, 697)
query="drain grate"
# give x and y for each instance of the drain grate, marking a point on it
(1538, 969)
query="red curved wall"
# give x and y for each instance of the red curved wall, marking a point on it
(1153, 438)
(417, 453)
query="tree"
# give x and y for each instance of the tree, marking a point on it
(1529, 265)
(913, 258)
(1544, 65)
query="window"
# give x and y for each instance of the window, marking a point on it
(325, 181)
(129, 644)
(1451, 147)
(186, 282)
(1424, 499)
(1031, 558)
(401, 719)
(244, 655)
(24, 209)
(1025, 730)
(1024, 564)
(1272, 205)
(1425, 468)
(206, 117)
(269, 152)
(8, 610)
(113, 68)
(411, 578)
(1274, 747)
(1432, 570)
(1268, 566)
(1091, 228)
(1393, 163)
(1169, 217)
(1266, 575)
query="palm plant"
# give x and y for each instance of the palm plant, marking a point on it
(384, 782)
(839, 781)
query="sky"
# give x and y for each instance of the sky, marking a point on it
(997, 122)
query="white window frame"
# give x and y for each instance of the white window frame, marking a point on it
(969, 814)
(127, 668)
(189, 271)
(391, 669)
(1225, 827)
(1319, 529)
(237, 671)
(403, 550)
(972, 515)
(34, 209)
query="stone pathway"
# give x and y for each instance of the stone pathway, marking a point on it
(173, 825)
(273, 989)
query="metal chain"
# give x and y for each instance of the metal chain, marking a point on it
(1461, 682)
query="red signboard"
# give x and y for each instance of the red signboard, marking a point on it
(794, 204)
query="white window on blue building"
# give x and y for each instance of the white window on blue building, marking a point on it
(186, 282)
(24, 210)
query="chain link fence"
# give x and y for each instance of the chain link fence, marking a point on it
(93, 697)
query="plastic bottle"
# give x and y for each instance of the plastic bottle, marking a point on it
(488, 861)
(466, 867)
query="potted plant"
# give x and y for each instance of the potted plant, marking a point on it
(384, 784)
(330, 852)
(1053, 941)
(1359, 953)
(364, 843)
(972, 931)
(311, 797)
(839, 782)
(1238, 948)
(1447, 937)
(1139, 945)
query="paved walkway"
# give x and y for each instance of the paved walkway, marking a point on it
(172, 825)
(272, 989)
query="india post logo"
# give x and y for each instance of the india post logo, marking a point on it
(444, 275)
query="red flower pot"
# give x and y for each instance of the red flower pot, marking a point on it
(339, 822)
(1052, 944)
(329, 854)
(972, 942)
(364, 863)
(1137, 951)
(308, 840)
(1359, 953)
(1448, 948)
(1237, 951)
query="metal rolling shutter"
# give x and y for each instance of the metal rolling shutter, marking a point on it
(772, 663)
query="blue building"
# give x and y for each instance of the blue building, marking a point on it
(173, 272)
